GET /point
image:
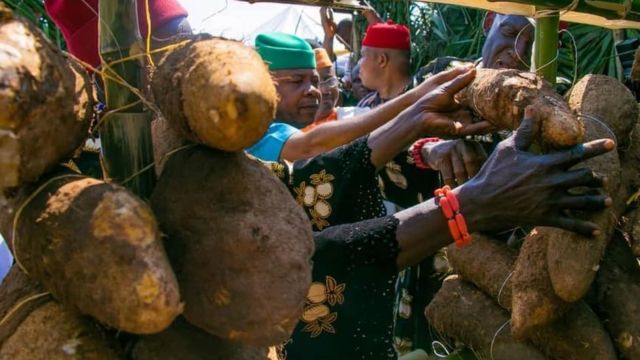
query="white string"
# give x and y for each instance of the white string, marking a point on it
(591, 117)
(515, 46)
(502, 287)
(575, 52)
(441, 345)
(495, 336)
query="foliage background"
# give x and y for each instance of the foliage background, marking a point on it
(447, 30)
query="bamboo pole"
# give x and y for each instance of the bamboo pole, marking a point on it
(125, 135)
(546, 46)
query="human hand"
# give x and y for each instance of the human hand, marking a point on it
(440, 114)
(457, 160)
(326, 18)
(372, 16)
(518, 188)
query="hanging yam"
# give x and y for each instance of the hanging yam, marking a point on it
(215, 92)
(45, 102)
(52, 332)
(96, 248)
(186, 342)
(573, 259)
(241, 246)
(618, 289)
(607, 100)
(500, 97)
(465, 313)
(534, 303)
(487, 264)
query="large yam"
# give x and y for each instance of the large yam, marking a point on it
(183, 341)
(95, 247)
(465, 313)
(618, 289)
(216, 92)
(573, 259)
(501, 96)
(240, 244)
(487, 264)
(45, 102)
(534, 303)
(52, 332)
(575, 336)
(608, 101)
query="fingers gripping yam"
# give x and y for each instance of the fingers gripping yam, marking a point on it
(96, 247)
(501, 96)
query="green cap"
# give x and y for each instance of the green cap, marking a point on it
(284, 51)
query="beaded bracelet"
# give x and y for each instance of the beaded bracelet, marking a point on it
(448, 202)
(416, 152)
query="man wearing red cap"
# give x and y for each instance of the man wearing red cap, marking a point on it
(385, 63)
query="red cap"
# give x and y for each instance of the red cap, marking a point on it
(387, 36)
(78, 22)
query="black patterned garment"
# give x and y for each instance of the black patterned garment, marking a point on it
(348, 312)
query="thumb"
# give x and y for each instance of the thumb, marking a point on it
(460, 82)
(528, 129)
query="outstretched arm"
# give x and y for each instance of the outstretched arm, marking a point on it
(333, 134)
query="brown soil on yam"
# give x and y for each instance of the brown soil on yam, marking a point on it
(97, 248)
(618, 289)
(465, 313)
(216, 92)
(609, 101)
(501, 96)
(183, 341)
(487, 264)
(534, 303)
(51, 332)
(240, 244)
(573, 259)
(45, 103)
(17, 287)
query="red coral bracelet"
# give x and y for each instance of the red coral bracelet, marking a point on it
(416, 152)
(448, 203)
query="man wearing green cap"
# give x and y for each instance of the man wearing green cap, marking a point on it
(293, 66)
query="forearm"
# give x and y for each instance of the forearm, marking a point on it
(423, 229)
(337, 133)
(389, 140)
(327, 43)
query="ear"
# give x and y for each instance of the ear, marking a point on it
(383, 59)
(488, 22)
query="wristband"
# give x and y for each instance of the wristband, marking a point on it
(448, 203)
(416, 152)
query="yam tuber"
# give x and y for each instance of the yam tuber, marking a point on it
(215, 92)
(240, 244)
(501, 96)
(97, 248)
(45, 102)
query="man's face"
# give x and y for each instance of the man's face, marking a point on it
(369, 67)
(500, 50)
(357, 89)
(329, 88)
(299, 96)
